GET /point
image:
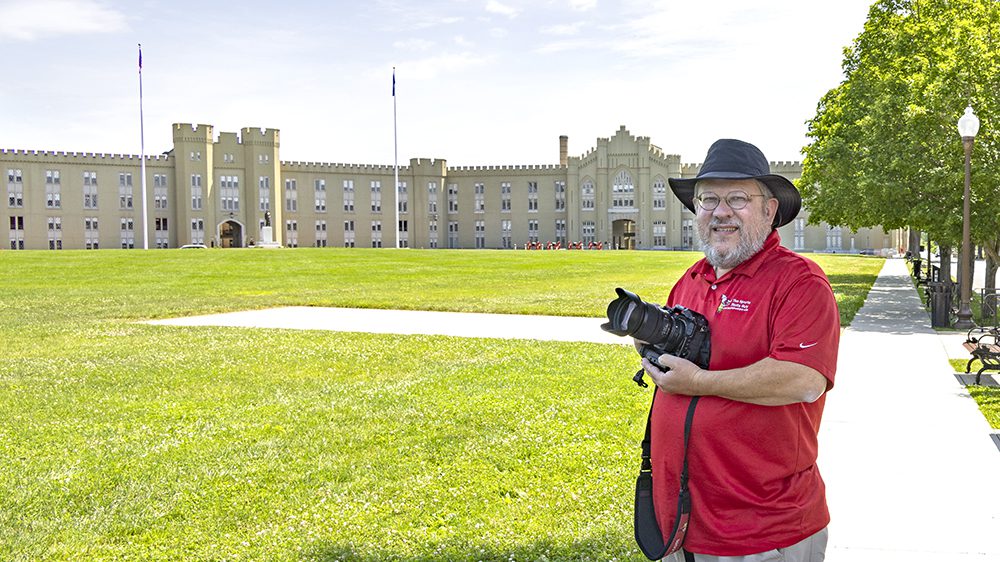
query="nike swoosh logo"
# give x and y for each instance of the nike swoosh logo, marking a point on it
(807, 345)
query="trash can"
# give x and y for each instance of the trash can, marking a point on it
(940, 297)
(916, 268)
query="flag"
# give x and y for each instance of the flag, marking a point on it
(140, 62)
(393, 77)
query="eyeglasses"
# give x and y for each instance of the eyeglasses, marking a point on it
(735, 200)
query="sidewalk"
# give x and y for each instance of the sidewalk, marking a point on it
(910, 468)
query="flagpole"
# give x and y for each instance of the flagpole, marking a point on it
(395, 149)
(142, 162)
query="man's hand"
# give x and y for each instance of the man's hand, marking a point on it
(675, 375)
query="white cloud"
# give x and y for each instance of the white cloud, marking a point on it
(582, 5)
(495, 7)
(413, 44)
(432, 67)
(461, 41)
(27, 20)
(563, 29)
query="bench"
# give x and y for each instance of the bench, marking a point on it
(986, 347)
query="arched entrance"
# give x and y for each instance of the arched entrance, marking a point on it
(231, 234)
(623, 234)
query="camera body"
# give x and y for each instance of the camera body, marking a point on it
(676, 331)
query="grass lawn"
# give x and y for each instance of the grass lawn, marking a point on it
(124, 441)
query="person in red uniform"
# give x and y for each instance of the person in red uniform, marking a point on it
(757, 494)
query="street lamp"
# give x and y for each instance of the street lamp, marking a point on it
(968, 126)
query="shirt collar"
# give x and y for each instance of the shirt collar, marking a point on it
(748, 268)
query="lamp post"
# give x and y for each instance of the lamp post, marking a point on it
(968, 126)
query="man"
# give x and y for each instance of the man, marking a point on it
(756, 492)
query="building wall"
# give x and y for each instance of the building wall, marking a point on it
(218, 190)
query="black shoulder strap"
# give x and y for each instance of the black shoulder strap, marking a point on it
(647, 530)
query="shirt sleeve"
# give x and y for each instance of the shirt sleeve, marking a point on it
(806, 326)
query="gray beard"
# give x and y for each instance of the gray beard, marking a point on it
(751, 241)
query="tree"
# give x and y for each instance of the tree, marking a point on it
(884, 147)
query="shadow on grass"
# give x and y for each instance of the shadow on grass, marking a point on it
(596, 549)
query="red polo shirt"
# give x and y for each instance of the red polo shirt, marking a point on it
(752, 469)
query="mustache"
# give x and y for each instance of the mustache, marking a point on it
(718, 222)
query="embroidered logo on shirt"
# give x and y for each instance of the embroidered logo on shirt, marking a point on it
(733, 304)
(807, 345)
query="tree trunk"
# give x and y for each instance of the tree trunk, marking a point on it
(945, 263)
(913, 246)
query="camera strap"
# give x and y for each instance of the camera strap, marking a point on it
(647, 530)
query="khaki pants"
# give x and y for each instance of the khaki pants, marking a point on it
(810, 549)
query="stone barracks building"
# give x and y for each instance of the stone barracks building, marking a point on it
(216, 190)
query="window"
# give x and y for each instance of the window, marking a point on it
(55, 233)
(505, 197)
(532, 196)
(319, 189)
(90, 190)
(589, 232)
(402, 198)
(16, 232)
(533, 231)
(452, 234)
(660, 234)
(587, 195)
(432, 233)
(560, 190)
(229, 193)
(833, 239)
(124, 190)
(161, 232)
(263, 159)
(160, 191)
(91, 239)
(195, 192)
(561, 231)
(228, 158)
(15, 191)
(432, 197)
(800, 234)
(659, 194)
(264, 193)
(291, 195)
(506, 234)
(376, 234)
(128, 233)
(480, 234)
(292, 233)
(348, 196)
(376, 187)
(687, 234)
(195, 155)
(197, 231)
(623, 191)
(480, 198)
(53, 195)
(321, 234)
(452, 197)
(349, 234)
(404, 235)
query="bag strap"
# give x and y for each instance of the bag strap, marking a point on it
(656, 548)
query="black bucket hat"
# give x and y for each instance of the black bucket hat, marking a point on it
(737, 160)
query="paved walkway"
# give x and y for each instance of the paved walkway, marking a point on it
(911, 471)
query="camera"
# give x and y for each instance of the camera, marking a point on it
(676, 331)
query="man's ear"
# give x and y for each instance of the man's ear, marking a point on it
(772, 209)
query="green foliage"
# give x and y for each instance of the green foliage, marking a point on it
(124, 441)
(885, 148)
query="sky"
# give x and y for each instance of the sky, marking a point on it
(478, 82)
